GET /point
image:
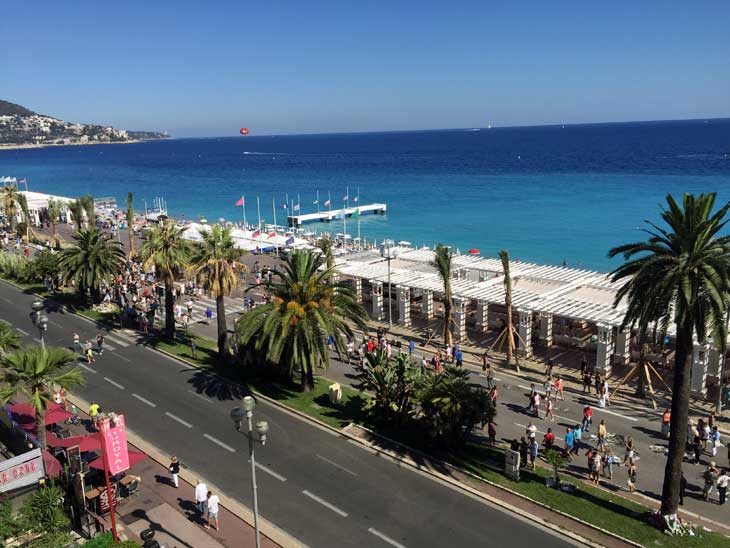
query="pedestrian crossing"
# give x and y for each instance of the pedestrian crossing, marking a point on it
(233, 306)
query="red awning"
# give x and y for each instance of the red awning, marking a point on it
(53, 467)
(86, 443)
(473, 251)
(24, 414)
(135, 457)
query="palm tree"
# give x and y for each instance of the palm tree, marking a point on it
(87, 201)
(130, 222)
(292, 329)
(508, 333)
(76, 207)
(168, 252)
(33, 372)
(54, 213)
(442, 263)
(325, 244)
(9, 338)
(681, 272)
(9, 198)
(23, 203)
(94, 259)
(212, 264)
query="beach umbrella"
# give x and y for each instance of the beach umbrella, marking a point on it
(51, 464)
(85, 443)
(135, 457)
(24, 415)
(473, 251)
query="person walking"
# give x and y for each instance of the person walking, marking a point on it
(534, 449)
(559, 388)
(492, 433)
(77, 343)
(587, 418)
(666, 420)
(722, 482)
(710, 475)
(174, 469)
(213, 502)
(714, 440)
(569, 443)
(549, 409)
(100, 343)
(631, 480)
(89, 351)
(536, 405)
(201, 497)
(548, 440)
(531, 398)
(524, 450)
(608, 464)
(602, 432)
(577, 438)
(208, 315)
(629, 450)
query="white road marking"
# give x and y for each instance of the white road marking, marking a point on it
(325, 503)
(143, 400)
(107, 347)
(178, 419)
(219, 442)
(22, 331)
(333, 463)
(603, 410)
(270, 472)
(89, 369)
(114, 383)
(116, 341)
(200, 396)
(7, 300)
(386, 538)
(123, 358)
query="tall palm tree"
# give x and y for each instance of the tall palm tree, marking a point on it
(509, 330)
(9, 338)
(212, 264)
(325, 244)
(292, 329)
(76, 207)
(33, 372)
(130, 222)
(94, 259)
(23, 203)
(54, 213)
(442, 263)
(168, 252)
(9, 199)
(87, 201)
(681, 272)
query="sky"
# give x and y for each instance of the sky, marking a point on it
(197, 68)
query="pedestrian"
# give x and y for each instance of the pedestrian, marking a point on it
(89, 350)
(587, 418)
(629, 450)
(534, 449)
(208, 315)
(213, 502)
(492, 433)
(411, 347)
(494, 395)
(631, 479)
(608, 461)
(459, 358)
(602, 431)
(559, 388)
(524, 450)
(549, 408)
(584, 366)
(587, 382)
(710, 475)
(697, 447)
(548, 440)
(569, 442)
(531, 430)
(174, 469)
(201, 497)
(485, 363)
(722, 482)
(549, 368)
(577, 438)
(666, 421)
(536, 405)
(77, 343)
(531, 398)
(100, 342)
(714, 440)
(605, 392)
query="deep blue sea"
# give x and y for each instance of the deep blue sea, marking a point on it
(547, 194)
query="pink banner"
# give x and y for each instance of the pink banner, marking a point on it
(114, 440)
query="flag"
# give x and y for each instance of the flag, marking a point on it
(355, 199)
(284, 206)
(327, 203)
(256, 234)
(240, 202)
(315, 202)
(21, 181)
(345, 198)
(296, 207)
(290, 241)
(272, 233)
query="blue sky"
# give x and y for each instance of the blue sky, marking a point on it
(199, 68)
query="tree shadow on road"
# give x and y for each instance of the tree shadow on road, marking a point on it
(214, 386)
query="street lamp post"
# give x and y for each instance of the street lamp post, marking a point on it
(238, 414)
(40, 320)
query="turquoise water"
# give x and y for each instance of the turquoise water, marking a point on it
(547, 194)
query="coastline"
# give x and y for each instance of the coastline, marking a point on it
(22, 146)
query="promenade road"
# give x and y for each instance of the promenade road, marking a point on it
(313, 484)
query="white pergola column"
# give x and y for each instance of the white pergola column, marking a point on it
(604, 349)
(377, 293)
(622, 352)
(482, 316)
(404, 305)
(546, 329)
(459, 319)
(700, 361)
(427, 305)
(524, 328)
(357, 282)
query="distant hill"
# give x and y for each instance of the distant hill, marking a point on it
(20, 126)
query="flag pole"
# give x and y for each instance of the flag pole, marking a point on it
(243, 206)
(317, 200)
(344, 216)
(273, 206)
(359, 243)
(258, 210)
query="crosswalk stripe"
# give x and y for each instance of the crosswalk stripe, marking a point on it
(120, 342)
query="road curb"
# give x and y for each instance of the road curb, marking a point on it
(267, 528)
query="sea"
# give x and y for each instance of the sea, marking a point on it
(549, 194)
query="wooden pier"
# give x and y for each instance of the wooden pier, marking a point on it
(327, 216)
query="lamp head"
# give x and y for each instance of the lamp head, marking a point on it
(237, 416)
(249, 403)
(262, 428)
(37, 306)
(43, 322)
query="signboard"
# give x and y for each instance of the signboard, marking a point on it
(114, 440)
(104, 498)
(22, 470)
(512, 464)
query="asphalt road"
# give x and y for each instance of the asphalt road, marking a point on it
(313, 484)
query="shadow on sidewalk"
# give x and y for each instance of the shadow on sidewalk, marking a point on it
(158, 528)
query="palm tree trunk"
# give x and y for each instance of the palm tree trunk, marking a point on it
(40, 428)
(132, 252)
(54, 235)
(169, 310)
(678, 426)
(447, 319)
(510, 335)
(220, 310)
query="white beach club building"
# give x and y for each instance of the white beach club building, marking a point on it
(552, 305)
